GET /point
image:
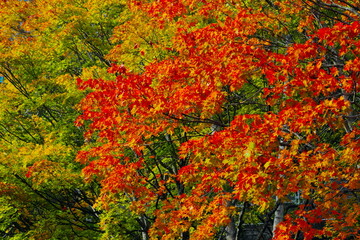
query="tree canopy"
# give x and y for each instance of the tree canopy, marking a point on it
(180, 119)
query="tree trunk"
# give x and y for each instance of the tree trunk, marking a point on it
(230, 231)
(278, 216)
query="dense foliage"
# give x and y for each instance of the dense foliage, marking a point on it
(180, 119)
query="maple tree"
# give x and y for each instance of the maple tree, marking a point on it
(201, 119)
(246, 107)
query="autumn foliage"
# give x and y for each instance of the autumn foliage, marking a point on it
(201, 119)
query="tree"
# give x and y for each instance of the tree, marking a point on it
(194, 119)
(229, 112)
(45, 46)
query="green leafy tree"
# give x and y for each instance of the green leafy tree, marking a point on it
(45, 46)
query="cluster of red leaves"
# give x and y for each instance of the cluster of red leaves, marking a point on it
(306, 94)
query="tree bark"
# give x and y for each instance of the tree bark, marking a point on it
(278, 216)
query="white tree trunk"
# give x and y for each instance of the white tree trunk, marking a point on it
(278, 216)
